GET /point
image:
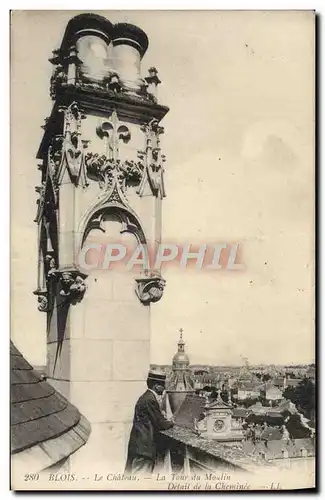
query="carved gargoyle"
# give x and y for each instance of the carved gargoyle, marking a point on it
(150, 289)
(72, 286)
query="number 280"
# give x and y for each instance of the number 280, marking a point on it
(31, 477)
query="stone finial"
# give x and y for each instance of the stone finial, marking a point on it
(152, 81)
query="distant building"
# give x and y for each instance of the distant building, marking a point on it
(209, 419)
(311, 373)
(181, 382)
(272, 393)
(292, 382)
(280, 450)
(248, 390)
(210, 433)
(279, 382)
(240, 414)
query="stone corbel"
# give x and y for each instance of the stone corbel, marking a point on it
(72, 285)
(150, 288)
(42, 297)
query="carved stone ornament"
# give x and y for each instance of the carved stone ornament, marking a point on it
(103, 170)
(108, 167)
(112, 132)
(73, 286)
(150, 289)
(42, 303)
(153, 160)
(42, 297)
(58, 78)
(112, 82)
(41, 201)
(50, 267)
(67, 151)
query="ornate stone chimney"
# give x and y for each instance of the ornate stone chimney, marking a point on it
(101, 182)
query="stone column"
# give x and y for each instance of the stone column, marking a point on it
(103, 364)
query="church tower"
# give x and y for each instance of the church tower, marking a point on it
(102, 184)
(181, 381)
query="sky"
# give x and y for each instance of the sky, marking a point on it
(240, 169)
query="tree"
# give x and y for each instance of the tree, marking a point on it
(266, 377)
(303, 396)
(296, 430)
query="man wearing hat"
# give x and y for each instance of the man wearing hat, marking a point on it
(147, 422)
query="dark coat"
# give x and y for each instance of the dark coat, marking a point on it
(147, 422)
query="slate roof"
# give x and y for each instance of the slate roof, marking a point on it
(270, 386)
(191, 408)
(278, 382)
(40, 415)
(259, 409)
(219, 403)
(271, 434)
(180, 380)
(293, 382)
(245, 455)
(274, 449)
(311, 372)
(240, 412)
(248, 386)
(232, 453)
(287, 405)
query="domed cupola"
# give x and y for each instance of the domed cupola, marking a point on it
(181, 380)
(181, 359)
